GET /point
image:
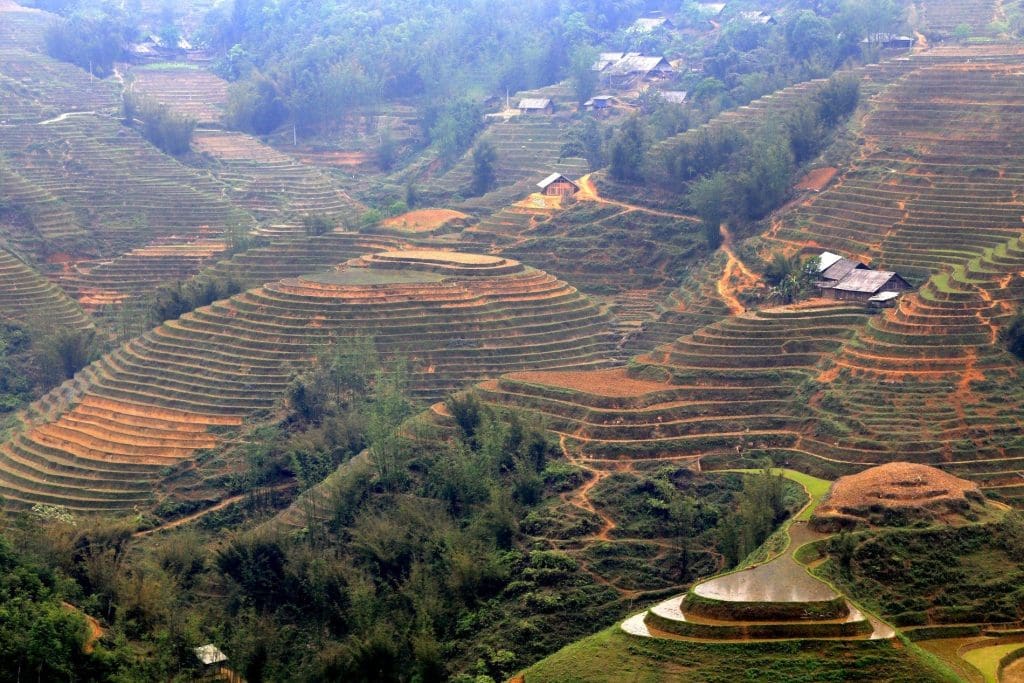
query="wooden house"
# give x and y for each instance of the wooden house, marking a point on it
(832, 268)
(599, 103)
(536, 105)
(635, 68)
(889, 41)
(557, 184)
(863, 285)
(651, 24)
(673, 96)
(756, 17)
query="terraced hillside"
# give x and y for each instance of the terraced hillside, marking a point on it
(938, 183)
(28, 297)
(458, 318)
(945, 16)
(726, 388)
(129, 278)
(528, 149)
(276, 188)
(80, 158)
(185, 89)
(35, 88)
(23, 27)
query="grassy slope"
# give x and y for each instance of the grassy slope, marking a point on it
(612, 655)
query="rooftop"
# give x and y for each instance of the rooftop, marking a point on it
(865, 280)
(554, 177)
(534, 103)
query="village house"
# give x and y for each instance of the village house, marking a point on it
(557, 184)
(536, 105)
(755, 17)
(832, 268)
(673, 96)
(606, 59)
(635, 68)
(599, 103)
(651, 24)
(889, 41)
(865, 285)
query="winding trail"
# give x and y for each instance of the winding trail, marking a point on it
(187, 519)
(588, 192)
(734, 268)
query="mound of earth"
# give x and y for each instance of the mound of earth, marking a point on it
(428, 220)
(898, 494)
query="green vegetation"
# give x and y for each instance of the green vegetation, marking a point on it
(615, 656)
(934, 575)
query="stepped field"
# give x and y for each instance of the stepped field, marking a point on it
(184, 89)
(938, 182)
(23, 27)
(129, 278)
(527, 148)
(33, 216)
(457, 318)
(726, 388)
(28, 297)
(944, 16)
(123, 191)
(275, 187)
(36, 88)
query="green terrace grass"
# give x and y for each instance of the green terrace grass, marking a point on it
(986, 659)
(816, 488)
(168, 66)
(614, 656)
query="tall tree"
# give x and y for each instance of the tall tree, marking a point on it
(484, 158)
(628, 152)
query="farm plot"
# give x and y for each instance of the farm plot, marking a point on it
(123, 191)
(23, 27)
(275, 187)
(28, 297)
(944, 16)
(730, 386)
(186, 90)
(456, 318)
(527, 150)
(36, 88)
(939, 184)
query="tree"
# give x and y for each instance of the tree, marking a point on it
(581, 72)
(628, 152)
(170, 132)
(768, 174)
(1013, 336)
(255, 105)
(837, 99)
(484, 158)
(584, 140)
(709, 198)
(810, 37)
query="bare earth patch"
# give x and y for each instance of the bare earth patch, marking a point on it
(817, 180)
(424, 220)
(900, 493)
(613, 382)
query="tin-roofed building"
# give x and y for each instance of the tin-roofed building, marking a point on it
(536, 105)
(558, 184)
(862, 285)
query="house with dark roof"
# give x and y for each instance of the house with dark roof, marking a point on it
(599, 103)
(864, 285)
(832, 268)
(635, 68)
(889, 41)
(536, 105)
(557, 184)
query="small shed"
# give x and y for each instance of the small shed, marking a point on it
(536, 105)
(673, 96)
(889, 41)
(599, 103)
(884, 300)
(557, 184)
(758, 17)
(213, 661)
(862, 285)
(651, 24)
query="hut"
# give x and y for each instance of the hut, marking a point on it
(557, 184)
(832, 268)
(214, 663)
(889, 41)
(651, 24)
(635, 68)
(599, 103)
(863, 285)
(536, 105)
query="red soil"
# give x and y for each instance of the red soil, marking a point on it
(899, 486)
(424, 220)
(817, 180)
(613, 382)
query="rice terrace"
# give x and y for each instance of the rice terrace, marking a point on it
(514, 341)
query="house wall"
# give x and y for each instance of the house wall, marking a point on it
(559, 188)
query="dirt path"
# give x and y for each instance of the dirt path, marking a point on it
(734, 269)
(95, 630)
(581, 497)
(65, 116)
(202, 513)
(588, 192)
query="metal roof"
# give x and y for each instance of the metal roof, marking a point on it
(210, 654)
(534, 103)
(865, 280)
(636, 63)
(842, 268)
(673, 96)
(882, 297)
(553, 178)
(826, 259)
(650, 23)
